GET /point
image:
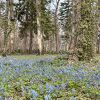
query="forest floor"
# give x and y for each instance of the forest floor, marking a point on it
(48, 77)
(32, 56)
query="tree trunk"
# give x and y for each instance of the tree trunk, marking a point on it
(10, 24)
(98, 30)
(31, 41)
(25, 44)
(57, 37)
(98, 46)
(39, 31)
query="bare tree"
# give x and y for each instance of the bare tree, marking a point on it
(10, 23)
(56, 5)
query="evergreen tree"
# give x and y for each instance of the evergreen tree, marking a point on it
(85, 42)
(66, 15)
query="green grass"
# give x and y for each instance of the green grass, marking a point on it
(31, 56)
(97, 57)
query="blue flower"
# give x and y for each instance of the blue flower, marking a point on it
(63, 86)
(49, 88)
(34, 94)
(1, 98)
(56, 87)
(0, 70)
(87, 94)
(73, 90)
(47, 97)
(73, 98)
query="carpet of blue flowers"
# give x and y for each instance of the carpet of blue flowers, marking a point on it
(48, 78)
